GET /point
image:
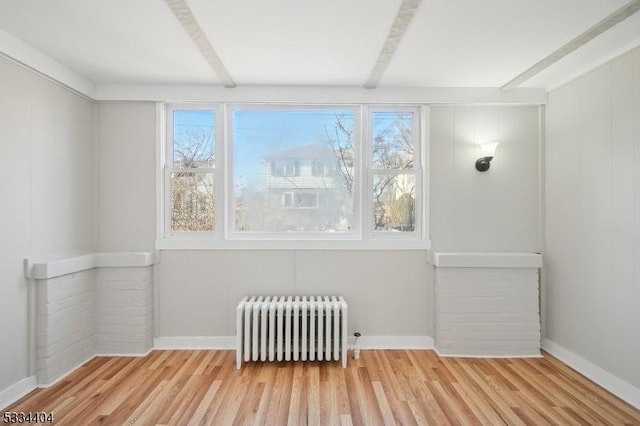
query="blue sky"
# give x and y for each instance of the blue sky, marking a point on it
(257, 132)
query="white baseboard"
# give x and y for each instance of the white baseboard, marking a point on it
(607, 380)
(195, 342)
(484, 355)
(125, 354)
(16, 391)
(229, 342)
(63, 375)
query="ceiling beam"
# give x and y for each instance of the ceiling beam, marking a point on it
(403, 19)
(613, 19)
(184, 15)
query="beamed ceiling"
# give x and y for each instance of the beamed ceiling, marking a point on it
(357, 43)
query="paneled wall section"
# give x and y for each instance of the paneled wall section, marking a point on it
(592, 251)
(64, 324)
(48, 194)
(487, 312)
(80, 312)
(390, 292)
(124, 310)
(497, 210)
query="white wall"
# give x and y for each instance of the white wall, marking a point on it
(592, 248)
(496, 210)
(390, 292)
(126, 179)
(47, 194)
(196, 291)
(493, 211)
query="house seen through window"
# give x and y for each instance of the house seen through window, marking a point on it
(289, 172)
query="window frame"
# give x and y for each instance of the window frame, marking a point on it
(417, 171)
(232, 235)
(223, 236)
(168, 168)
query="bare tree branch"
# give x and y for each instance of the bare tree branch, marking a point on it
(342, 145)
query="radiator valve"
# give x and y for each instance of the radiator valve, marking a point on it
(356, 349)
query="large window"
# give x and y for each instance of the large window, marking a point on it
(293, 170)
(351, 174)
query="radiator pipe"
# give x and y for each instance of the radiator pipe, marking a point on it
(356, 349)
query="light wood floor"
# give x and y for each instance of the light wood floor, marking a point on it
(382, 387)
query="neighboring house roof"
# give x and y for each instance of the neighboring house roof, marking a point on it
(193, 164)
(311, 151)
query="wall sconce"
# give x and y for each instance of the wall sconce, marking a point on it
(487, 151)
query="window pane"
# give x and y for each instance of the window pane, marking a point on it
(394, 197)
(192, 202)
(194, 138)
(393, 140)
(293, 170)
(300, 200)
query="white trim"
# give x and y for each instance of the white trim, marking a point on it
(161, 209)
(229, 342)
(536, 354)
(336, 244)
(418, 170)
(125, 354)
(43, 269)
(167, 167)
(315, 94)
(425, 161)
(25, 55)
(194, 342)
(50, 268)
(14, 392)
(614, 384)
(65, 374)
(224, 216)
(484, 260)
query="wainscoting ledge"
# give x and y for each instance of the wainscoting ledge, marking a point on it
(88, 304)
(42, 269)
(484, 260)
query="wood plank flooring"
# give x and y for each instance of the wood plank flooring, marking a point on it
(407, 387)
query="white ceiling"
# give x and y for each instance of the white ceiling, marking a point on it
(449, 43)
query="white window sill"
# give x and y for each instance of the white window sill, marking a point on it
(212, 244)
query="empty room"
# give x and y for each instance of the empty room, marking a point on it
(320, 212)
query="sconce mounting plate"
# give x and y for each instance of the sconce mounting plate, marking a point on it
(483, 164)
